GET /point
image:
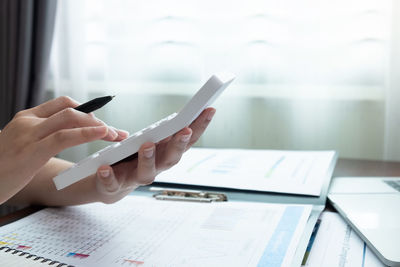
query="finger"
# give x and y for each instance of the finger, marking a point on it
(173, 150)
(60, 140)
(51, 107)
(121, 134)
(165, 140)
(200, 125)
(146, 168)
(70, 118)
(106, 180)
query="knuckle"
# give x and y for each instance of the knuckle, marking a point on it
(24, 129)
(98, 121)
(180, 146)
(86, 134)
(19, 114)
(151, 179)
(192, 141)
(170, 163)
(59, 137)
(108, 183)
(66, 101)
(70, 115)
(70, 112)
(111, 188)
(203, 126)
(147, 180)
(17, 122)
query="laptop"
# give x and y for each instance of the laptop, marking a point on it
(371, 205)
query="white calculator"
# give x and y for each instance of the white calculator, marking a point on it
(153, 133)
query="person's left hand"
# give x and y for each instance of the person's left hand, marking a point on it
(113, 183)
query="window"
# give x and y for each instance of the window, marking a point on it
(310, 74)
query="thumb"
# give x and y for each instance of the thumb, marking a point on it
(106, 181)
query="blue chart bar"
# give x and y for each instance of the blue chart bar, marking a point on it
(363, 259)
(277, 246)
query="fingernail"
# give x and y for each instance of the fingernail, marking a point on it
(148, 152)
(210, 114)
(185, 138)
(125, 133)
(104, 173)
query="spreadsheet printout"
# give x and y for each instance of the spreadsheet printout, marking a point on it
(142, 231)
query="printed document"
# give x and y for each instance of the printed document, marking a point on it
(295, 172)
(336, 244)
(142, 231)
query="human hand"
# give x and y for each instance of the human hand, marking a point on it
(35, 135)
(113, 183)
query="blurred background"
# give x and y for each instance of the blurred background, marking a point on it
(311, 74)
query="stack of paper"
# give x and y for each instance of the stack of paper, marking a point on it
(336, 244)
(141, 231)
(295, 172)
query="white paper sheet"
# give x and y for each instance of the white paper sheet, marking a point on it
(297, 172)
(337, 245)
(141, 231)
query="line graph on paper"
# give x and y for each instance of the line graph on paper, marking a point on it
(299, 172)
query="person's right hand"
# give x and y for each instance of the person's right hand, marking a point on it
(35, 135)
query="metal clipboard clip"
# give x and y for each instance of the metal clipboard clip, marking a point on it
(187, 195)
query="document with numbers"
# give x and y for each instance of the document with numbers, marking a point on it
(142, 231)
(293, 172)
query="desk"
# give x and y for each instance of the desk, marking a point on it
(18, 215)
(355, 167)
(344, 167)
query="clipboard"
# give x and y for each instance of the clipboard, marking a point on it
(204, 194)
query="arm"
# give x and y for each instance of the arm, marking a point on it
(111, 184)
(42, 191)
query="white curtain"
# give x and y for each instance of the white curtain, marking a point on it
(392, 99)
(310, 74)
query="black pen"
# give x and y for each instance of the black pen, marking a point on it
(94, 104)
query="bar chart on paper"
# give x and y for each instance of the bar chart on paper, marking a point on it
(142, 231)
(297, 172)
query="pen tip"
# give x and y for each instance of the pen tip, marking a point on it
(112, 96)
